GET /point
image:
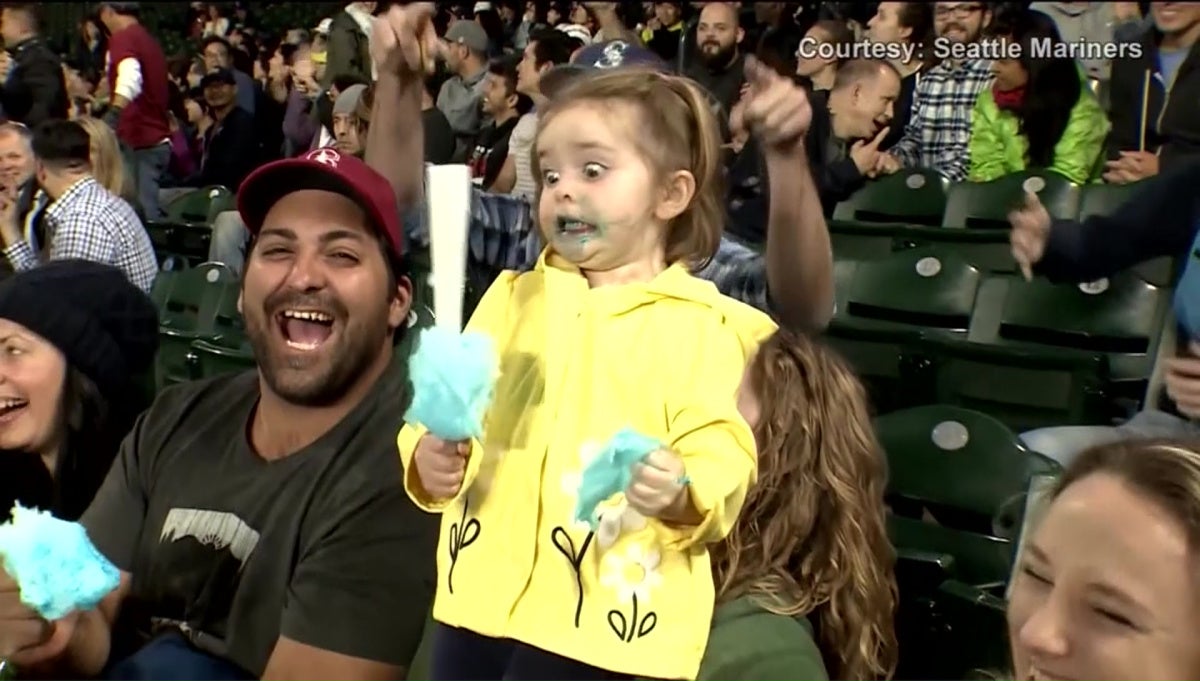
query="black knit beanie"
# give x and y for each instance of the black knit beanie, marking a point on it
(106, 327)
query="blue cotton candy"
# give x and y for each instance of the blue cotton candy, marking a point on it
(453, 376)
(55, 565)
(611, 471)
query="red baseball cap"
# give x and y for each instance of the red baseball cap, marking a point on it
(329, 170)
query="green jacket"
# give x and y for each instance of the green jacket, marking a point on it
(748, 643)
(997, 148)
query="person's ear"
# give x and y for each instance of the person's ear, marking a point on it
(401, 303)
(676, 195)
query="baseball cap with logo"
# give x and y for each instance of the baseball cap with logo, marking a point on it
(328, 170)
(613, 54)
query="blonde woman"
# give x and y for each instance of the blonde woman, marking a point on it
(108, 166)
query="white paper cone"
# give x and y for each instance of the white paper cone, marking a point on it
(448, 195)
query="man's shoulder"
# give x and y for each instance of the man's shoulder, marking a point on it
(133, 38)
(196, 410)
(177, 401)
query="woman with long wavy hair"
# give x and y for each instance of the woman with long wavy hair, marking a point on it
(804, 583)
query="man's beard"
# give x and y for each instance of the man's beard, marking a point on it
(327, 381)
(721, 57)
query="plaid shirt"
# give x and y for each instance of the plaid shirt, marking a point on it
(90, 223)
(939, 128)
(503, 237)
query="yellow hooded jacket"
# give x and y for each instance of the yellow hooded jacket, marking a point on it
(577, 365)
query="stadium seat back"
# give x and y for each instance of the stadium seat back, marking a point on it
(912, 195)
(189, 314)
(951, 459)
(986, 205)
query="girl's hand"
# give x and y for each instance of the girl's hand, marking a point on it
(441, 465)
(658, 488)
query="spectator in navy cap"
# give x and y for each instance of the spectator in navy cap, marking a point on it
(610, 55)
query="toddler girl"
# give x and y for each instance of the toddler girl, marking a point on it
(610, 330)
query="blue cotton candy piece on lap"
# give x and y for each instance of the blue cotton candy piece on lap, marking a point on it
(453, 375)
(54, 563)
(610, 472)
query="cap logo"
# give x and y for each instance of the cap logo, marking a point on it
(613, 56)
(325, 156)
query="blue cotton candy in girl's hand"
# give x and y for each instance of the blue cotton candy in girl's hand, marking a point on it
(453, 376)
(55, 565)
(611, 471)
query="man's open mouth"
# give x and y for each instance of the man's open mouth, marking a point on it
(305, 330)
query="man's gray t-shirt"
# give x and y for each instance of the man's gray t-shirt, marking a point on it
(322, 546)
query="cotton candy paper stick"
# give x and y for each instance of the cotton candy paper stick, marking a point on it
(448, 195)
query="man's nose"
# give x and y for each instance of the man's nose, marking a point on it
(307, 272)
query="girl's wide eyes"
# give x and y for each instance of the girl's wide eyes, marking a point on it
(592, 170)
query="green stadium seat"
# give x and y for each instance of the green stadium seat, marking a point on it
(1041, 354)
(952, 473)
(862, 240)
(1104, 199)
(186, 230)
(885, 308)
(191, 312)
(975, 620)
(987, 249)
(222, 355)
(910, 196)
(946, 458)
(986, 205)
(225, 349)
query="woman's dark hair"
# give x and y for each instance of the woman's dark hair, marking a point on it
(918, 18)
(94, 428)
(1054, 84)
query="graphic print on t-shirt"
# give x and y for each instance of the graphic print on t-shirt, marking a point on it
(198, 567)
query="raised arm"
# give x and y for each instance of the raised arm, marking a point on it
(799, 257)
(403, 41)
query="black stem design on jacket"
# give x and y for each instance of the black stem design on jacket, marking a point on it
(566, 546)
(462, 534)
(631, 628)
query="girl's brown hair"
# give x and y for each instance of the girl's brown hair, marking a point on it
(811, 538)
(677, 131)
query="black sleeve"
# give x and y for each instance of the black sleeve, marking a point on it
(114, 520)
(1125, 106)
(836, 181)
(36, 92)
(365, 587)
(1160, 219)
(439, 138)
(495, 161)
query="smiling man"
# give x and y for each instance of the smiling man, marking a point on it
(256, 517)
